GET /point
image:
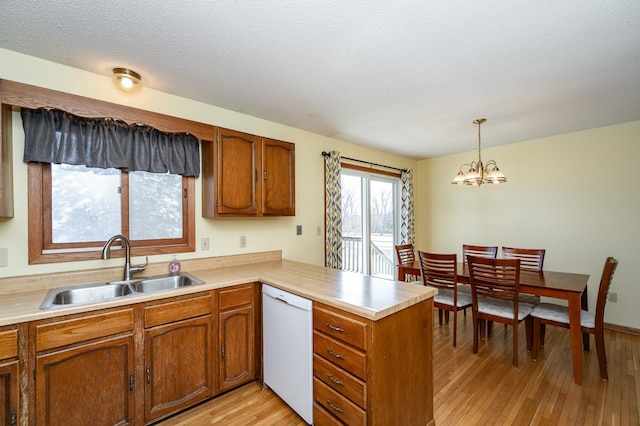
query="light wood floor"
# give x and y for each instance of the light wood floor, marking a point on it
(484, 389)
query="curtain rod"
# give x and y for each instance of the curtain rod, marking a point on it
(326, 154)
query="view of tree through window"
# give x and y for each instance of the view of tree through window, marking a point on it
(369, 211)
(86, 204)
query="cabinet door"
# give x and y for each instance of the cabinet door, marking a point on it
(9, 398)
(178, 366)
(87, 384)
(237, 186)
(237, 346)
(278, 178)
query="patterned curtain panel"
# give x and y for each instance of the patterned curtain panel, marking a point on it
(407, 221)
(333, 210)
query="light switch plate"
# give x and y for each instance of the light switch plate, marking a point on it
(3, 256)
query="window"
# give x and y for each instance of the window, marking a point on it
(370, 206)
(73, 210)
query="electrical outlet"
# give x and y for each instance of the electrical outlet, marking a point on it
(612, 297)
(243, 241)
(319, 230)
(3, 256)
(298, 229)
(204, 243)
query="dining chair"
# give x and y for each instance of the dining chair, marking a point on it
(495, 286)
(480, 251)
(405, 254)
(441, 271)
(592, 323)
(530, 260)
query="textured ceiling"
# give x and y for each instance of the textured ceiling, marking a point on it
(408, 77)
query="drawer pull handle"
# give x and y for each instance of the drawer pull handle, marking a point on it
(332, 353)
(335, 328)
(336, 408)
(334, 380)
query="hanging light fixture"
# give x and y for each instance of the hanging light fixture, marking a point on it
(477, 173)
(127, 80)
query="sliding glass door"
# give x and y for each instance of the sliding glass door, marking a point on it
(369, 222)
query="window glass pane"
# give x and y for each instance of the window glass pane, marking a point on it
(382, 227)
(155, 206)
(85, 203)
(352, 223)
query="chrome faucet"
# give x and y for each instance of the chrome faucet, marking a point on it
(128, 268)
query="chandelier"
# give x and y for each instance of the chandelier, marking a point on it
(477, 173)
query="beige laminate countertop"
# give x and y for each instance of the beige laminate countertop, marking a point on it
(369, 297)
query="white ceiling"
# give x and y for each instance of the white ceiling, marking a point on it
(408, 77)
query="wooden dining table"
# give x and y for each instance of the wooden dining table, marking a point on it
(560, 285)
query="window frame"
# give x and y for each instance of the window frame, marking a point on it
(42, 250)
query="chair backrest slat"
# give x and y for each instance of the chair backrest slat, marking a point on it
(498, 278)
(490, 252)
(405, 254)
(439, 270)
(530, 259)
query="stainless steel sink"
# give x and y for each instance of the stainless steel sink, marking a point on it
(102, 291)
(163, 282)
(76, 295)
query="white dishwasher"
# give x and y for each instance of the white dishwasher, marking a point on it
(288, 348)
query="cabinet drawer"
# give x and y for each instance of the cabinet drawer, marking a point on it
(67, 332)
(343, 382)
(352, 360)
(346, 329)
(235, 296)
(322, 418)
(178, 310)
(8, 344)
(338, 405)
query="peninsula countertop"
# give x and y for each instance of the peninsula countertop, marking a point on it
(369, 297)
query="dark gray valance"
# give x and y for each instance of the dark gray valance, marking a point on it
(54, 136)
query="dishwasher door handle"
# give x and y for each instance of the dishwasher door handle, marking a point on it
(281, 300)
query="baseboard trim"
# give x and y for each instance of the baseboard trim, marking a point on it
(622, 329)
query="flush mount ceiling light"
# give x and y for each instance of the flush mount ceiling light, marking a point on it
(476, 173)
(127, 80)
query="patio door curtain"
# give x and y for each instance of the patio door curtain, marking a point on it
(333, 210)
(407, 220)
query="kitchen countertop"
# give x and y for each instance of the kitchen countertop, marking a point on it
(369, 297)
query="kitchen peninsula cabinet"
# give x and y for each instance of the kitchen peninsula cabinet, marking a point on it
(237, 345)
(178, 361)
(247, 175)
(9, 389)
(373, 372)
(84, 369)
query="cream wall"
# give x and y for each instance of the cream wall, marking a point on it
(573, 194)
(262, 234)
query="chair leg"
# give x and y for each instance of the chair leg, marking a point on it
(446, 317)
(476, 325)
(515, 344)
(440, 317)
(537, 331)
(455, 327)
(602, 356)
(528, 326)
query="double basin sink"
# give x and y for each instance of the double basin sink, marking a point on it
(103, 291)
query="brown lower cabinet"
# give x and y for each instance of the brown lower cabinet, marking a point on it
(236, 336)
(9, 389)
(178, 361)
(134, 364)
(373, 372)
(84, 370)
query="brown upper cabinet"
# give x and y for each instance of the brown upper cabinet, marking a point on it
(247, 175)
